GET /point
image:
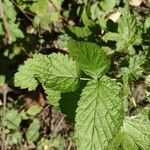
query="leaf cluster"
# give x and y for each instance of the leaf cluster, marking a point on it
(100, 114)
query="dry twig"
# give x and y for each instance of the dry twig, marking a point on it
(4, 93)
(8, 36)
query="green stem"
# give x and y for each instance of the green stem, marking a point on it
(85, 79)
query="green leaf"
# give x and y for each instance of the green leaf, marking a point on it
(45, 13)
(13, 119)
(15, 31)
(85, 18)
(40, 7)
(107, 5)
(46, 20)
(139, 130)
(62, 41)
(56, 71)
(102, 22)
(91, 58)
(95, 11)
(80, 32)
(14, 138)
(27, 73)
(145, 113)
(135, 70)
(32, 133)
(11, 14)
(34, 110)
(111, 36)
(129, 32)
(63, 73)
(124, 141)
(56, 142)
(100, 114)
(147, 24)
(128, 143)
(135, 65)
(10, 11)
(53, 96)
(134, 135)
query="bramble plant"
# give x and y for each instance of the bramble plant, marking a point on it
(90, 58)
(100, 123)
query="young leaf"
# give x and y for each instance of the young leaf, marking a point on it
(10, 11)
(40, 7)
(13, 119)
(108, 5)
(91, 58)
(95, 11)
(80, 32)
(11, 14)
(129, 33)
(15, 31)
(135, 65)
(135, 70)
(99, 114)
(14, 138)
(32, 133)
(44, 15)
(85, 18)
(34, 110)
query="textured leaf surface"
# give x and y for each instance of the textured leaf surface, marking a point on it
(91, 58)
(53, 96)
(139, 130)
(99, 114)
(128, 143)
(135, 66)
(128, 34)
(56, 71)
(123, 141)
(25, 77)
(63, 73)
(135, 134)
(134, 71)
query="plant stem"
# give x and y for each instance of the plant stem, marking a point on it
(5, 24)
(5, 90)
(133, 101)
(85, 79)
(55, 5)
(23, 12)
